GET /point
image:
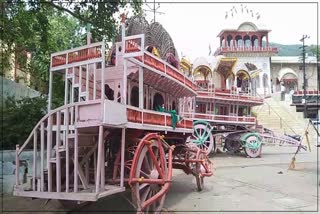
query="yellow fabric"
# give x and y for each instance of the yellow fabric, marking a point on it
(155, 52)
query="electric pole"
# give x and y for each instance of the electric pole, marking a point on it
(304, 74)
(154, 9)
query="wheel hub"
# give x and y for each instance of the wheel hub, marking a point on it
(154, 174)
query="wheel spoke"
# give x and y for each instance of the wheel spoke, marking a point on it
(146, 164)
(155, 162)
(143, 186)
(144, 195)
(149, 159)
(151, 163)
(144, 174)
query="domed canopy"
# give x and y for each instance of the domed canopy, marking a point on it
(247, 26)
(201, 66)
(225, 66)
(155, 35)
(185, 63)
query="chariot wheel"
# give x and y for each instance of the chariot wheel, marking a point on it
(203, 137)
(232, 146)
(199, 169)
(149, 175)
(253, 145)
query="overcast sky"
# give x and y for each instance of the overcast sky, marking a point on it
(193, 26)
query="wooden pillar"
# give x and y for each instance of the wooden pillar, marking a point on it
(42, 157)
(67, 148)
(76, 163)
(141, 98)
(49, 147)
(123, 139)
(99, 158)
(35, 141)
(58, 143)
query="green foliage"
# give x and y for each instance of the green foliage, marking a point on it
(315, 50)
(293, 50)
(19, 118)
(41, 28)
(44, 27)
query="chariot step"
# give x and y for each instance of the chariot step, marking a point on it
(84, 195)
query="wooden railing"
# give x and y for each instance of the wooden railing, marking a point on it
(246, 49)
(136, 115)
(61, 123)
(308, 92)
(220, 118)
(131, 47)
(227, 95)
(83, 53)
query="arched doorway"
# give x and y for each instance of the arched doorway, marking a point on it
(157, 100)
(242, 81)
(289, 78)
(134, 97)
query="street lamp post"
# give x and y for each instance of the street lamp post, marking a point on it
(304, 75)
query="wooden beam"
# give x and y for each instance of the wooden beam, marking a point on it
(42, 156)
(35, 137)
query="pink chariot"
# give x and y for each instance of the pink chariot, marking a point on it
(108, 137)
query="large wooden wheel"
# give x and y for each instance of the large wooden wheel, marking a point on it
(252, 145)
(203, 137)
(199, 169)
(150, 175)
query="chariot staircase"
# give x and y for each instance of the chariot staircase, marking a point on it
(66, 163)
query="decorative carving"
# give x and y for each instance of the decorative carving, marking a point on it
(250, 66)
(155, 35)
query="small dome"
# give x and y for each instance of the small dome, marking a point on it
(247, 26)
(201, 66)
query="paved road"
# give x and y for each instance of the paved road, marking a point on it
(239, 184)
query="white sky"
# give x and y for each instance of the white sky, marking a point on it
(193, 26)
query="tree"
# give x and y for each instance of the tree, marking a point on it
(19, 118)
(43, 27)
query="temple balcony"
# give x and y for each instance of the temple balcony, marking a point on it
(225, 50)
(229, 96)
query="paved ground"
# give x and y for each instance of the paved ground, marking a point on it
(239, 184)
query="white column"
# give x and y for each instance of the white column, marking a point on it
(50, 91)
(123, 139)
(141, 88)
(124, 88)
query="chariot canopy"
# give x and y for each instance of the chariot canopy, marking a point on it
(155, 35)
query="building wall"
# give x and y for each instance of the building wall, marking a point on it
(311, 73)
(262, 63)
(14, 72)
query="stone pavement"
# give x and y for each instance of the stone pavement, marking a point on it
(244, 184)
(239, 184)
